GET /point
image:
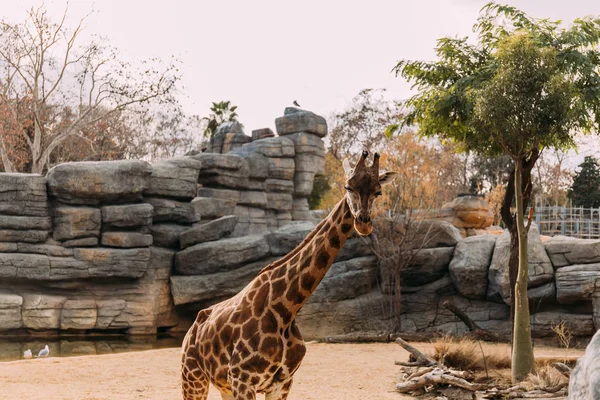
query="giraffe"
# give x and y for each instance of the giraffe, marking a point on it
(250, 343)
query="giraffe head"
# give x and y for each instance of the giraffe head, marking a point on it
(363, 185)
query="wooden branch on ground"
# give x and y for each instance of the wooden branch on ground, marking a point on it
(476, 332)
(563, 369)
(423, 359)
(437, 376)
(359, 338)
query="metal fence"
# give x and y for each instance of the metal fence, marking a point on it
(569, 221)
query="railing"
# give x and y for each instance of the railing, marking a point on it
(577, 222)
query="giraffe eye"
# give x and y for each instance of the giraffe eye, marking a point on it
(348, 189)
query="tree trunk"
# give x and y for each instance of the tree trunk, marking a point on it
(522, 351)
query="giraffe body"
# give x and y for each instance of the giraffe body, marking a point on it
(250, 343)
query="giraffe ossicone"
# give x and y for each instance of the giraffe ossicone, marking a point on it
(250, 343)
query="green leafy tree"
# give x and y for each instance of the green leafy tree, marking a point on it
(523, 85)
(585, 191)
(221, 111)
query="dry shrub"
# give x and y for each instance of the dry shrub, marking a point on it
(466, 354)
(546, 377)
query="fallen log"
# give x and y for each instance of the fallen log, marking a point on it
(437, 376)
(421, 359)
(359, 338)
(563, 369)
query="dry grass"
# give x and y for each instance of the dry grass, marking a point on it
(467, 355)
(546, 377)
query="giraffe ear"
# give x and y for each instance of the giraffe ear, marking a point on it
(347, 168)
(387, 178)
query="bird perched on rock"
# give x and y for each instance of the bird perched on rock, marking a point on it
(296, 103)
(45, 352)
(27, 354)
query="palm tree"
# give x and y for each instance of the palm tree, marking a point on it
(221, 111)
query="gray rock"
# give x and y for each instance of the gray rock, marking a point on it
(167, 210)
(470, 264)
(213, 230)
(310, 163)
(24, 266)
(303, 183)
(209, 208)
(565, 250)
(8, 247)
(234, 140)
(127, 263)
(126, 216)
(542, 323)
(68, 268)
(577, 282)
(284, 240)
(82, 242)
(99, 182)
(42, 311)
(280, 185)
(306, 143)
(31, 236)
(353, 248)
(126, 239)
(78, 314)
(279, 201)
(176, 177)
(167, 235)
(221, 194)
(347, 280)
(10, 311)
(431, 233)
(223, 255)
(46, 249)
(23, 194)
(25, 222)
(253, 199)
(190, 289)
(426, 265)
(215, 163)
(232, 182)
(539, 294)
(229, 127)
(76, 222)
(300, 211)
(262, 133)
(585, 378)
(301, 121)
(251, 221)
(540, 267)
(281, 168)
(273, 146)
(108, 311)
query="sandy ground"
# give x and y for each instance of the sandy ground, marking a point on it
(329, 371)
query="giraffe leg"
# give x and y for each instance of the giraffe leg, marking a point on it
(194, 383)
(242, 391)
(279, 391)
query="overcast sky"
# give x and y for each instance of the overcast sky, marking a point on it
(262, 54)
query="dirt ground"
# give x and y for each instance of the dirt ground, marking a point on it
(329, 371)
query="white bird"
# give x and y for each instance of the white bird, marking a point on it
(45, 352)
(27, 354)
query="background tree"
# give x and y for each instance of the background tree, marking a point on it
(221, 111)
(585, 191)
(523, 85)
(45, 70)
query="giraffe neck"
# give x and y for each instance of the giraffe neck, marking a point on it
(296, 278)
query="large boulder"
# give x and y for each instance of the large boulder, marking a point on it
(281, 168)
(176, 177)
(23, 194)
(577, 282)
(42, 311)
(78, 314)
(99, 182)
(25, 222)
(167, 235)
(168, 210)
(28, 236)
(540, 267)
(273, 147)
(564, 250)
(191, 289)
(347, 280)
(24, 266)
(128, 215)
(585, 378)
(432, 233)
(213, 230)
(209, 208)
(10, 311)
(251, 221)
(126, 263)
(470, 264)
(285, 239)
(298, 120)
(76, 222)
(426, 265)
(544, 323)
(223, 255)
(126, 239)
